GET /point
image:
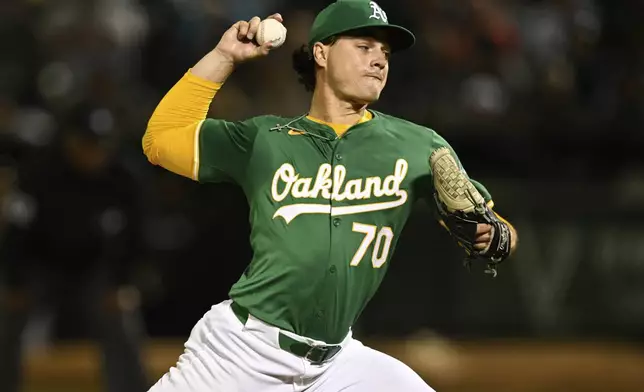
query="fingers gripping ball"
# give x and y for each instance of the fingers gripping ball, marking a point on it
(461, 208)
(271, 30)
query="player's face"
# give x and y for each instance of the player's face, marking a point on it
(357, 68)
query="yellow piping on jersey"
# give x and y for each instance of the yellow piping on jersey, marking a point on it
(195, 166)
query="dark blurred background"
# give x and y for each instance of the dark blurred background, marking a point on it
(542, 99)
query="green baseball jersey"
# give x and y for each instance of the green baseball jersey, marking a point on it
(325, 211)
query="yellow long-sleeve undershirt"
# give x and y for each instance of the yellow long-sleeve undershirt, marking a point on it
(171, 138)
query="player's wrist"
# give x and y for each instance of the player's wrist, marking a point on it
(500, 244)
(222, 56)
(215, 67)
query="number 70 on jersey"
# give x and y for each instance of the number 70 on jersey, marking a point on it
(381, 247)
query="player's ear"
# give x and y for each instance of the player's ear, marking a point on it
(320, 54)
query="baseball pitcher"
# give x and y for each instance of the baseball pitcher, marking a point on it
(329, 192)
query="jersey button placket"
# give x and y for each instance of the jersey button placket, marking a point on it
(337, 155)
(336, 242)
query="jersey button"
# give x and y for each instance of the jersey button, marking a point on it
(336, 222)
(319, 313)
(332, 269)
(338, 157)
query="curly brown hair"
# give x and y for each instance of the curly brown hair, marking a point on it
(304, 64)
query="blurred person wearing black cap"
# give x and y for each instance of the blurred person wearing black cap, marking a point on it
(72, 236)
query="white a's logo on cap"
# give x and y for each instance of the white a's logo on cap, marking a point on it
(378, 13)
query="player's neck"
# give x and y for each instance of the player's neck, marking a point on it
(327, 107)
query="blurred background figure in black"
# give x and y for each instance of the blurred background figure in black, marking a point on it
(72, 234)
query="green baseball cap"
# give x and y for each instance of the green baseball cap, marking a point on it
(344, 16)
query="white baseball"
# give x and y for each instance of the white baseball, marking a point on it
(271, 30)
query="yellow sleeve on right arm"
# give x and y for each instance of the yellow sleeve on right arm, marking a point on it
(171, 139)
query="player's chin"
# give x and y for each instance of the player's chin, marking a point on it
(368, 96)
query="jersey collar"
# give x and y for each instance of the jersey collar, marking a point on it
(338, 130)
(365, 117)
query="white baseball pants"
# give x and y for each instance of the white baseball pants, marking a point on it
(224, 355)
